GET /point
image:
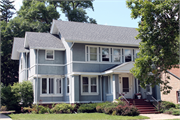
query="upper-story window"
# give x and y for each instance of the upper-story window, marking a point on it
(116, 55)
(127, 55)
(136, 52)
(105, 54)
(49, 55)
(93, 53)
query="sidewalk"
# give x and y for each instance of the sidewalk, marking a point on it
(160, 116)
(4, 117)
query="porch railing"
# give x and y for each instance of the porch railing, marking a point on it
(123, 97)
(155, 102)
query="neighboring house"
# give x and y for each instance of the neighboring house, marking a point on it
(174, 82)
(80, 63)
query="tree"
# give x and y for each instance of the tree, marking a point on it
(159, 46)
(5, 8)
(75, 10)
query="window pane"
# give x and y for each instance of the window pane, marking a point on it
(105, 54)
(67, 85)
(93, 50)
(67, 89)
(85, 84)
(148, 88)
(49, 54)
(117, 58)
(58, 87)
(44, 85)
(127, 54)
(117, 52)
(93, 89)
(136, 52)
(93, 81)
(93, 57)
(125, 84)
(178, 96)
(51, 81)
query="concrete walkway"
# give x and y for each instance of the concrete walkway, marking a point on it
(160, 116)
(4, 117)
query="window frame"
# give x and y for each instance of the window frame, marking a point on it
(89, 53)
(115, 55)
(89, 86)
(67, 86)
(131, 49)
(54, 87)
(102, 54)
(135, 53)
(46, 55)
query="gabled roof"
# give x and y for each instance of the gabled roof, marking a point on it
(18, 46)
(93, 33)
(37, 40)
(175, 72)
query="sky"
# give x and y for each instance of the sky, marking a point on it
(106, 12)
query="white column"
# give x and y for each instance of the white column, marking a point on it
(114, 87)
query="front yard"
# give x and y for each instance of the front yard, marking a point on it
(79, 116)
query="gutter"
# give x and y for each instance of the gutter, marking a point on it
(173, 75)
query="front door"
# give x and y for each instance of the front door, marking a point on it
(126, 87)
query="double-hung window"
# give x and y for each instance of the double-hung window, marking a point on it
(105, 54)
(49, 55)
(127, 55)
(93, 53)
(51, 86)
(89, 85)
(116, 55)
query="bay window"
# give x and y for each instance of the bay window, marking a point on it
(51, 86)
(89, 85)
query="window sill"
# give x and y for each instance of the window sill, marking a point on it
(49, 59)
(89, 93)
(51, 95)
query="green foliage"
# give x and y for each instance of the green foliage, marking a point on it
(172, 111)
(5, 8)
(165, 105)
(158, 32)
(75, 10)
(42, 109)
(87, 108)
(11, 96)
(62, 108)
(177, 106)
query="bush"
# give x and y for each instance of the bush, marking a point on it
(99, 107)
(87, 108)
(177, 106)
(62, 108)
(165, 105)
(109, 109)
(126, 110)
(173, 111)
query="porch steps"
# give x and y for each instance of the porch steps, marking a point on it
(143, 106)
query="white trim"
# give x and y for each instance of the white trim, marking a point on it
(69, 102)
(49, 58)
(42, 48)
(52, 64)
(118, 55)
(106, 43)
(90, 46)
(89, 86)
(109, 94)
(67, 94)
(91, 62)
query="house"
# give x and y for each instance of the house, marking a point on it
(80, 63)
(174, 82)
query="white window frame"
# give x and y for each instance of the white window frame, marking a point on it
(46, 55)
(109, 54)
(131, 53)
(114, 55)
(67, 86)
(89, 86)
(90, 53)
(54, 87)
(21, 63)
(135, 53)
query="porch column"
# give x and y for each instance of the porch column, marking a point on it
(114, 86)
(75, 89)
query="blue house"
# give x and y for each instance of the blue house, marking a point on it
(80, 63)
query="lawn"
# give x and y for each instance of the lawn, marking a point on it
(79, 116)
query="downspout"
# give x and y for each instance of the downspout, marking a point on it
(37, 76)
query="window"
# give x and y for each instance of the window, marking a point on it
(67, 85)
(49, 54)
(116, 55)
(178, 96)
(89, 85)
(105, 54)
(135, 53)
(51, 86)
(127, 55)
(93, 54)
(21, 64)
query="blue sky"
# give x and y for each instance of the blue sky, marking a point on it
(106, 12)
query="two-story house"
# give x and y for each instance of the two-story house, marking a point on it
(80, 63)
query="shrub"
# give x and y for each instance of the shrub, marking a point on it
(87, 108)
(109, 109)
(62, 108)
(3, 108)
(177, 106)
(99, 109)
(126, 110)
(165, 105)
(42, 109)
(176, 112)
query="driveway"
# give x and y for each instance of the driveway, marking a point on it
(4, 117)
(160, 116)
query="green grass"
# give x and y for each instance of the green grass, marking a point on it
(79, 116)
